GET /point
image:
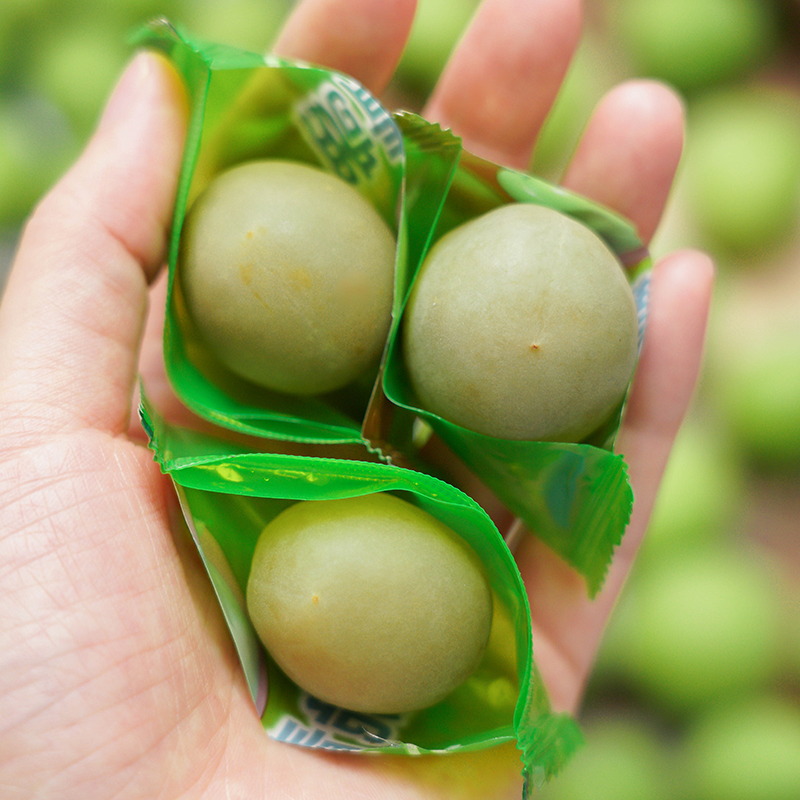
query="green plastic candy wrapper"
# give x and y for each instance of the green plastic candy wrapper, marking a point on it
(233, 481)
(228, 494)
(245, 109)
(574, 496)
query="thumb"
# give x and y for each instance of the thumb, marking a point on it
(73, 311)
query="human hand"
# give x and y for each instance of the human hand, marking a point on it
(118, 677)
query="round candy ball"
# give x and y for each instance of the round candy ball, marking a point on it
(288, 274)
(521, 325)
(369, 603)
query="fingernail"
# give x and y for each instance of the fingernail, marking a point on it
(129, 91)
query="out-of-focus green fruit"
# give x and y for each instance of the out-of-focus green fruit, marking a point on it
(758, 397)
(24, 9)
(247, 24)
(437, 27)
(752, 373)
(749, 749)
(369, 603)
(699, 496)
(742, 169)
(16, 19)
(522, 325)
(34, 147)
(624, 758)
(77, 69)
(288, 273)
(590, 74)
(703, 627)
(694, 44)
(792, 640)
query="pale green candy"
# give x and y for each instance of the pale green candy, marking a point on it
(369, 603)
(521, 325)
(288, 273)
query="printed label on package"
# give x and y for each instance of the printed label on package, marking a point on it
(335, 728)
(349, 130)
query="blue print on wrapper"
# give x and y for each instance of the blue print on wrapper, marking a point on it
(335, 728)
(348, 129)
(641, 294)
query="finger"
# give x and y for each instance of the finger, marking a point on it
(629, 152)
(500, 83)
(361, 38)
(568, 626)
(665, 378)
(73, 309)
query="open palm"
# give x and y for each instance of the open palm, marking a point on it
(117, 674)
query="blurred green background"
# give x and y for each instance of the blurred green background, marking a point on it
(696, 693)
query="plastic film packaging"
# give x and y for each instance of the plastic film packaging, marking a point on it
(574, 496)
(228, 493)
(248, 107)
(231, 483)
